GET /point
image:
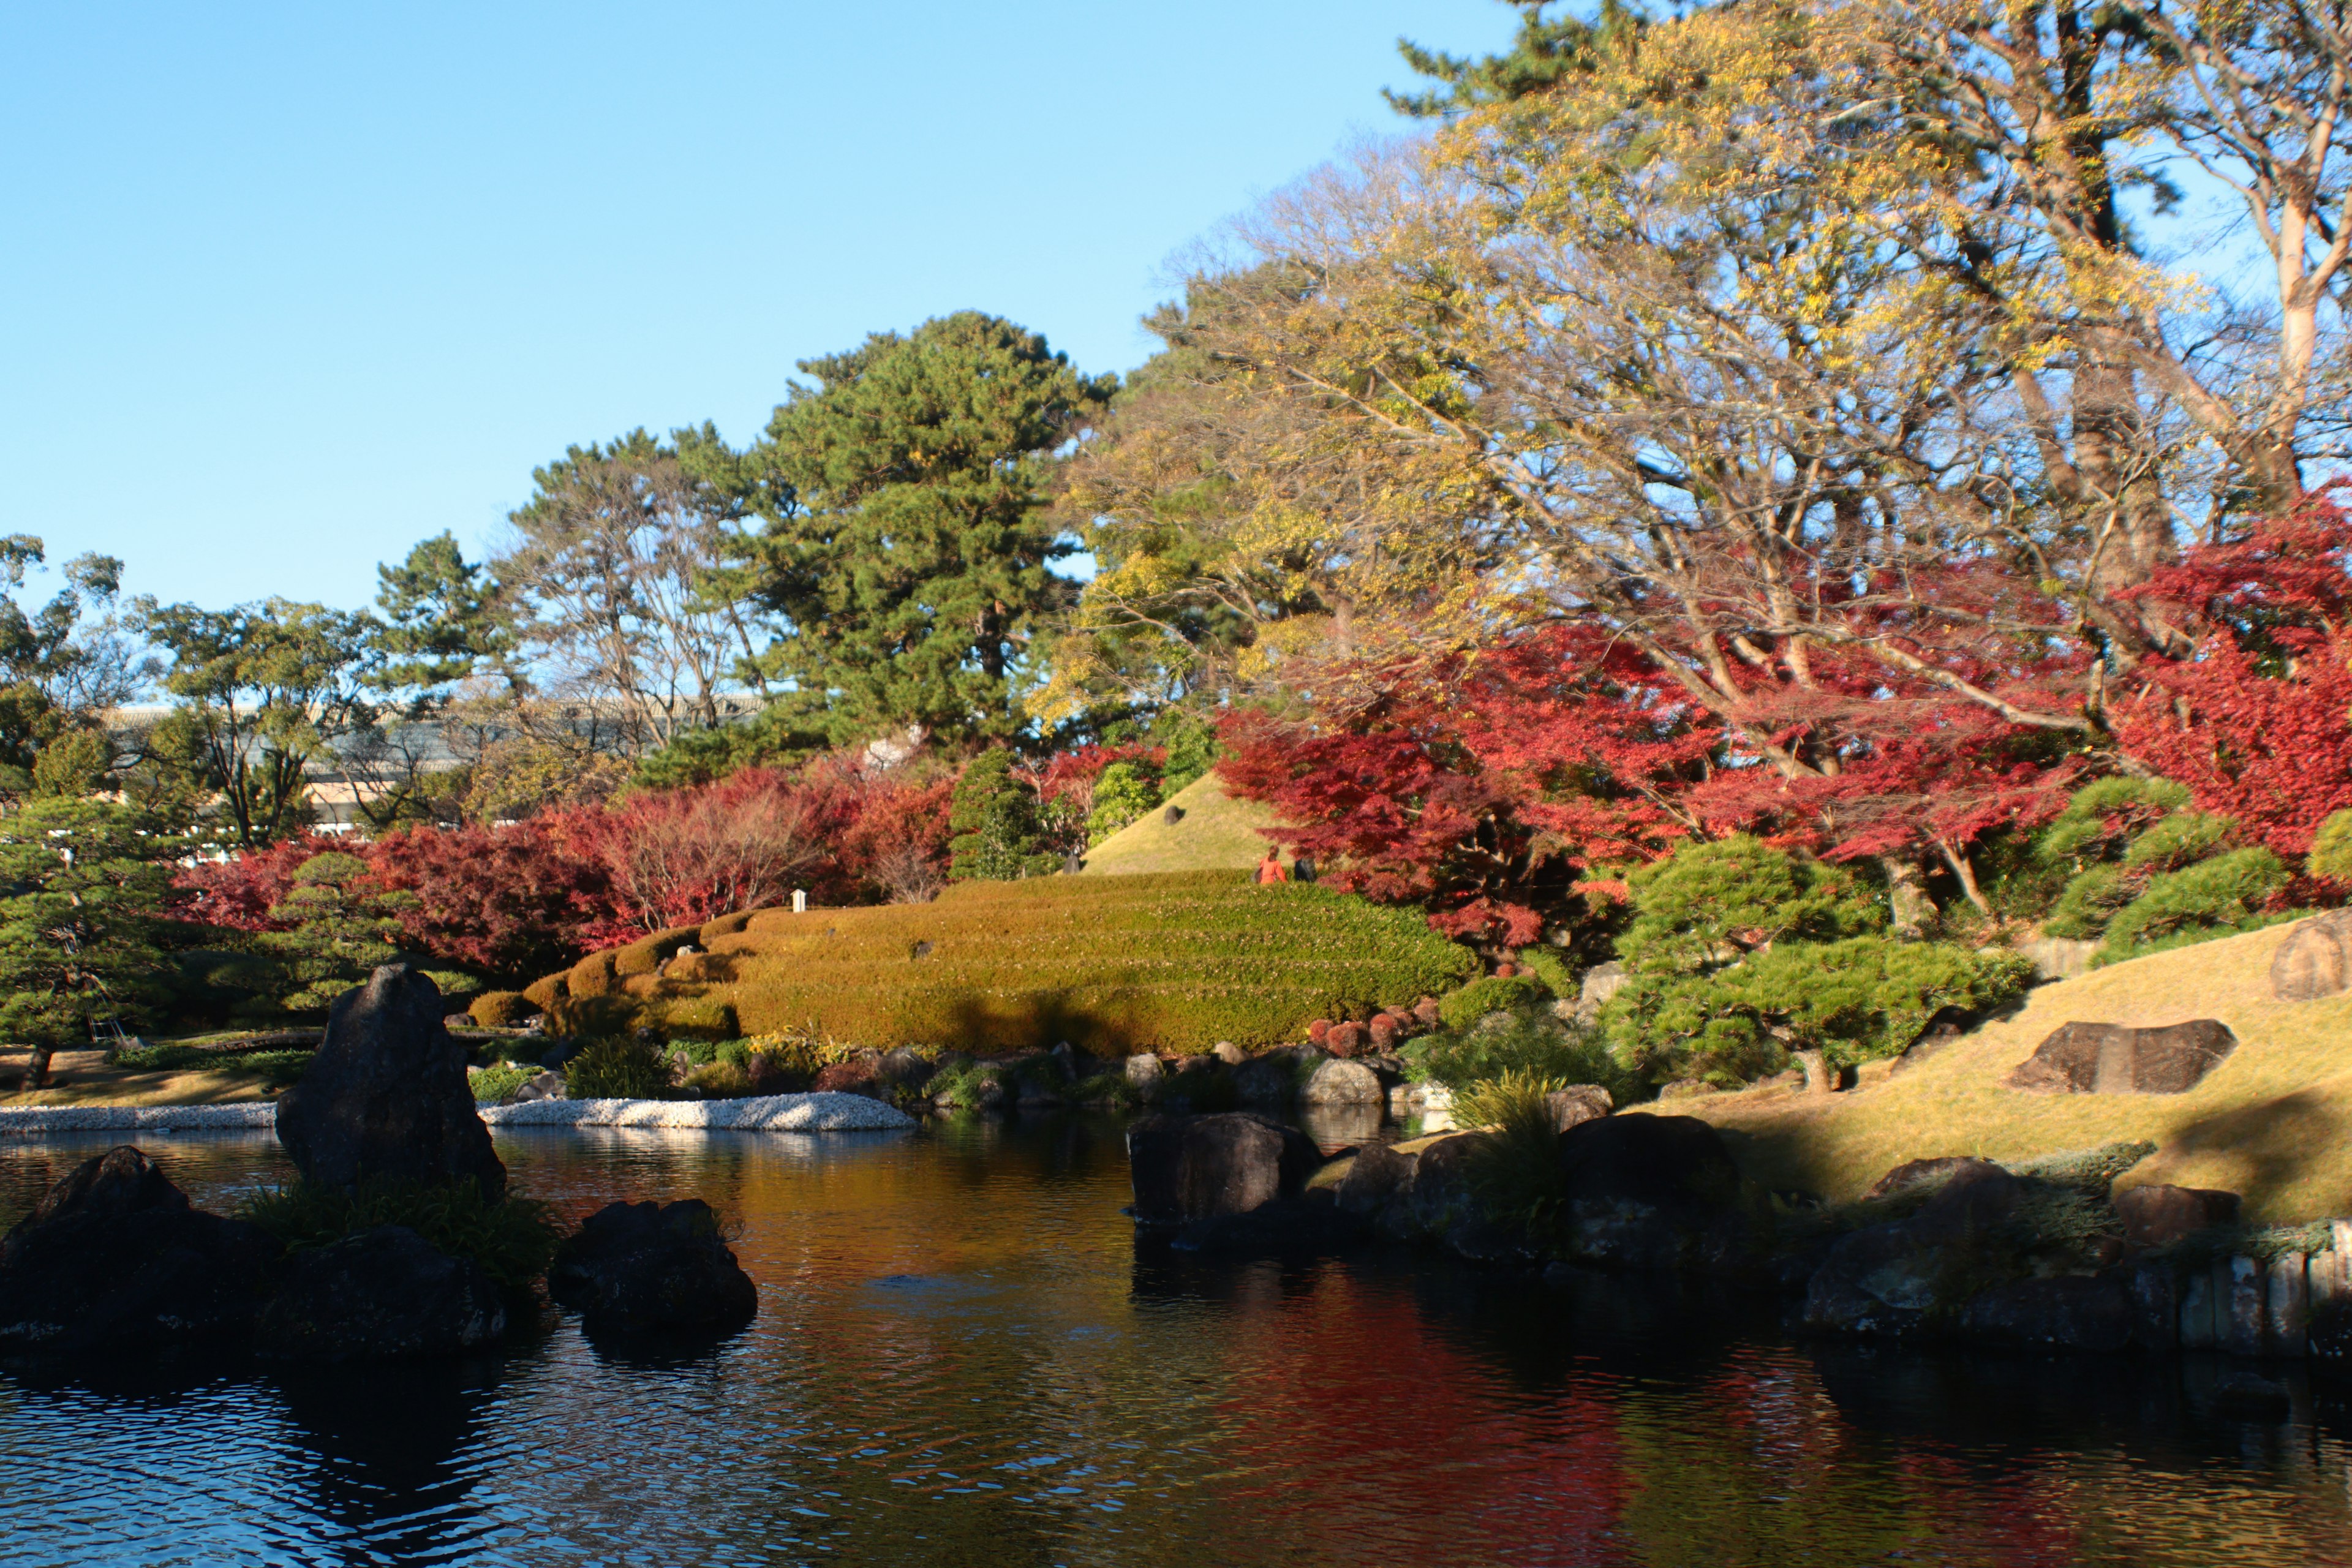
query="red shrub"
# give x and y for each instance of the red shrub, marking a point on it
(520, 900)
(241, 892)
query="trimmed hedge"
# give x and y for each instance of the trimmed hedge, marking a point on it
(1173, 963)
(502, 1009)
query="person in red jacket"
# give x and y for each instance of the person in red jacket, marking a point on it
(1270, 871)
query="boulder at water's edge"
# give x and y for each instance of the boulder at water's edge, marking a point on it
(386, 1097)
(381, 1295)
(652, 1268)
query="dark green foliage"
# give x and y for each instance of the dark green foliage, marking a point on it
(82, 885)
(2213, 898)
(1491, 994)
(279, 1068)
(1855, 1000)
(493, 1084)
(618, 1069)
(905, 542)
(1192, 749)
(343, 928)
(1707, 903)
(2089, 901)
(998, 836)
(1531, 1043)
(512, 1240)
(1545, 51)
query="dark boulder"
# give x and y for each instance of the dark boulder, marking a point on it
(1896, 1278)
(1378, 1174)
(1307, 1224)
(385, 1294)
(386, 1097)
(113, 1256)
(1653, 1192)
(852, 1078)
(1270, 1079)
(1188, 1168)
(2156, 1215)
(2081, 1312)
(650, 1267)
(2315, 959)
(2112, 1059)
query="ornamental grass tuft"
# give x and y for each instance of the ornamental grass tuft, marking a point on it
(512, 1239)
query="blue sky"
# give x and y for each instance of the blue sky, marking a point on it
(287, 288)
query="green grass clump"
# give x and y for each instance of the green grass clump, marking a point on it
(1113, 964)
(1514, 1170)
(278, 1069)
(1494, 993)
(511, 1240)
(491, 1085)
(622, 1069)
(1531, 1044)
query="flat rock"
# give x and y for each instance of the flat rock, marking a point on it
(1187, 1168)
(2114, 1058)
(1920, 1173)
(114, 1257)
(385, 1294)
(386, 1097)
(652, 1268)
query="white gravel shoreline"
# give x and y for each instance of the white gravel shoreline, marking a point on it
(768, 1113)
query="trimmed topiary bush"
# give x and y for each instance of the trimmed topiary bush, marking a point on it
(546, 992)
(647, 954)
(502, 1009)
(693, 1018)
(1546, 964)
(1112, 964)
(1494, 993)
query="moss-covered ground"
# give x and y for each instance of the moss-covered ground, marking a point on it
(1216, 833)
(2273, 1121)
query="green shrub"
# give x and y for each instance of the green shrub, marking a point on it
(617, 1068)
(1707, 902)
(2213, 898)
(1124, 793)
(1557, 976)
(512, 1240)
(2090, 900)
(647, 954)
(2331, 849)
(961, 1086)
(720, 1080)
(1855, 1000)
(546, 992)
(2181, 839)
(1491, 994)
(502, 1009)
(995, 817)
(491, 1085)
(2102, 815)
(592, 976)
(1513, 1170)
(694, 1017)
(1529, 1043)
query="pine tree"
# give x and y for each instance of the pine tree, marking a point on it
(343, 926)
(995, 819)
(85, 882)
(905, 543)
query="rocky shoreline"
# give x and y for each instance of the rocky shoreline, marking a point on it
(815, 1112)
(2045, 1255)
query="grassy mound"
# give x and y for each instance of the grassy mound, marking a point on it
(2273, 1122)
(1216, 833)
(1172, 962)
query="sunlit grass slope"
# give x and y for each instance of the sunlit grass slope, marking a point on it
(1216, 833)
(2274, 1122)
(1173, 962)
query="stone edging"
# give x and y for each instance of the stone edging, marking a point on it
(770, 1113)
(38, 1119)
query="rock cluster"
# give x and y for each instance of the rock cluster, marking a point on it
(648, 1267)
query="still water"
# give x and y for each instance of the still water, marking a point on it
(962, 1358)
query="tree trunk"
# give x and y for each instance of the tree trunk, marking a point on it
(37, 1069)
(1908, 903)
(1819, 1079)
(1957, 860)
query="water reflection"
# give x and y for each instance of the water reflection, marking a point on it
(962, 1357)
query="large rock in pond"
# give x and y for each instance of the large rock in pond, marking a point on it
(386, 1097)
(652, 1268)
(1653, 1192)
(2081, 1312)
(114, 1256)
(381, 1295)
(2114, 1058)
(1337, 1082)
(2315, 959)
(1188, 1168)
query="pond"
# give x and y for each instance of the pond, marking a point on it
(962, 1358)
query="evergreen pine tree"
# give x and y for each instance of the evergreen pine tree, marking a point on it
(905, 542)
(995, 820)
(342, 927)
